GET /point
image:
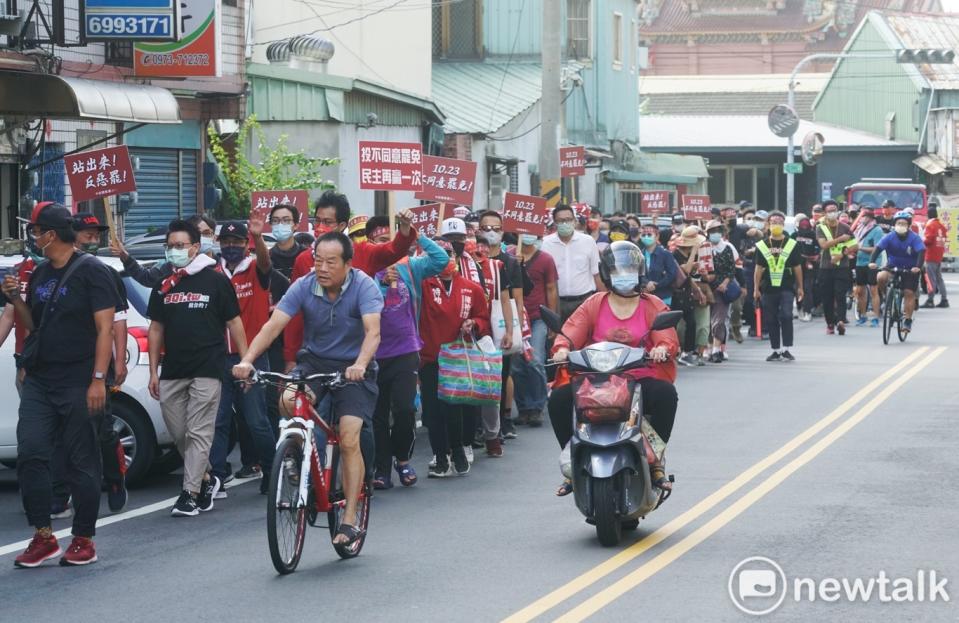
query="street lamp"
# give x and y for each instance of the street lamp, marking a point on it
(906, 56)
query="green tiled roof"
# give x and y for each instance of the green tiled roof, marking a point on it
(480, 98)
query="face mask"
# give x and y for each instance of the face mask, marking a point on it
(832, 217)
(39, 249)
(616, 236)
(624, 283)
(678, 228)
(90, 247)
(776, 230)
(319, 230)
(603, 232)
(233, 255)
(902, 229)
(715, 237)
(633, 232)
(282, 232)
(493, 237)
(530, 240)
(592, 225)
(206, 244)
(481, 252)
(648, 240)
(458, 247)
(178, 257)
(469, 246)
(565, 229)
(449, 271)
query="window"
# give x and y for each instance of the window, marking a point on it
(758, 184)
(119, 53)
(618, 40)
(457, 29)
(578, 43)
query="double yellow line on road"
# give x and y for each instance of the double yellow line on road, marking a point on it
(590, 606)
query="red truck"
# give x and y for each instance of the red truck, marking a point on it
(903, 192)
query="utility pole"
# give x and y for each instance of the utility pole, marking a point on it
(550, 102)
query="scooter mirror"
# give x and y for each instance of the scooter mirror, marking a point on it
(666, 320)
(551, 319)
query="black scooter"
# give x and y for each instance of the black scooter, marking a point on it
(612, 445)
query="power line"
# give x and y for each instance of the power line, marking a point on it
(509, 59)
(340, 25)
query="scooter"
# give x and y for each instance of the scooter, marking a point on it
(613, 445)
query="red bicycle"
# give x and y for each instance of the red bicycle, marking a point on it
(300, 489)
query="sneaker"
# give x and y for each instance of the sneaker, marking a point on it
(775, 356)
(494, 449)
(874, 323)
(929, 304)
(534, 418)
(249, 471)
(461, 462)
(221, 494)
(185, 506)
(432, 462)
(228, 478)
(520, 419)
(716, 358)
(117, 495)
(830, 330)
(841, 328)
(686, 360)
(508, 430)
(737, 335)
(943, 304)
(907, 324)
(438, 470)
(382, 482)
(700, 361)
(80, 552)
(208, 491)
(61, 510)
(861, 322)
(40, 549)
(468, 451)
(725, 355)
(788, 356)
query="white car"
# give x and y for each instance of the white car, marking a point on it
(136, 415)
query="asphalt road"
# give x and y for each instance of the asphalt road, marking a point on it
(840, 465)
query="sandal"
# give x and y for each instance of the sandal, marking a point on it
(406, 473)
(382, 482)
(352, 533)
(565, 489)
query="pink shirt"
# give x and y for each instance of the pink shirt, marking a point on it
(609, 328)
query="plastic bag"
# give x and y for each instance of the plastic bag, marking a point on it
(613, 393)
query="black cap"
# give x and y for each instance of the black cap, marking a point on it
(678, 218)
(744, 204)
(234, 229)
(715, 211)
(52, 216)
(86, 220)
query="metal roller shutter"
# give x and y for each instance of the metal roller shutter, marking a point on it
(166, 189)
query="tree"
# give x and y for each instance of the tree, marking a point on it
(278, 168)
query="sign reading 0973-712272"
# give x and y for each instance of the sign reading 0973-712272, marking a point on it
(140, 20)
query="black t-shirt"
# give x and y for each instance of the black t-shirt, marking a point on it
(68, 340)
(283, 260)
(194, 314)
(789, 278)
(806, 239)
(512, 275)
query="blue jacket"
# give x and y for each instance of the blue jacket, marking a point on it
(419, 268)
(661, 268)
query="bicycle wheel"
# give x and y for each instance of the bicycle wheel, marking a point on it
(887, 316)
(337, 514)
(285, 517)
(900, 317)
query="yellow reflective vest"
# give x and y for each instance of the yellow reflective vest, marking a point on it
(777, 264)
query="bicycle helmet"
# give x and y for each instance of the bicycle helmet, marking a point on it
(622, 268)
(903, 215)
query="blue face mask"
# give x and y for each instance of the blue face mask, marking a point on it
(529, 240)
(565, 229)
(624, 283)
(206, 243)
(647, 240)
(715, 237)
(633, 232)
(233, 255)
(178, 257)
(282, 232)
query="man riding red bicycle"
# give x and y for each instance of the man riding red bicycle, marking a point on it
(341, 308)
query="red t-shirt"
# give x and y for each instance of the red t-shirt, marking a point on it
(935, 240)
(541, 269)
(252, 293)
(443, 312)
(24, 271)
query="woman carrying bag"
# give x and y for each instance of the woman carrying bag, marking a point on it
(453, 308)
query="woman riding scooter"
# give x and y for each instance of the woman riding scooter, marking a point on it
(623, 315)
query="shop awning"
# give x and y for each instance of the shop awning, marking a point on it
(931, 164)
(35, 96)
(657, 167)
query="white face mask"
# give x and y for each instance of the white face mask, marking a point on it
(902, 229)
(493, 237)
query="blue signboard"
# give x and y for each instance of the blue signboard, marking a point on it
(139, 20)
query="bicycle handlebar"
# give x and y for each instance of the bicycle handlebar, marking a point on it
(333, 378)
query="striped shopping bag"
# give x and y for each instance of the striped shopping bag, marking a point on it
(469, 376)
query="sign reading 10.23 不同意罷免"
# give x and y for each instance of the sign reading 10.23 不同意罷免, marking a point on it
(140, 20)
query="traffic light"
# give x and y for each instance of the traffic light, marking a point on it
(926, 56)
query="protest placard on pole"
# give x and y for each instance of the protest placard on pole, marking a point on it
(696, 207)
(101, 173)
(447, 180)
(654, 202)
(263, 201)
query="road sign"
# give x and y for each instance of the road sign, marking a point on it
(142, 20)
(783, 121)
(812, 146)
(391, 166)
(100, 173)
(792, 167)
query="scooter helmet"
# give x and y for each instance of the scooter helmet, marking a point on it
(622, 268)
(903, 215)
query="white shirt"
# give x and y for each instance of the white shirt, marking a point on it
(577, 262)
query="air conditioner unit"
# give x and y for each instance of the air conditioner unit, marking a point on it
(498, 187)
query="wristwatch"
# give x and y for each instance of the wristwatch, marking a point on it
(99, 376)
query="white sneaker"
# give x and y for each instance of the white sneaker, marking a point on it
(469, 454)
(432, 462)
(725, 355)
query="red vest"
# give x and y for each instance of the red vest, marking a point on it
(253, 298)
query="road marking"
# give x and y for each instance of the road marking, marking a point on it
(112, 519)
(662, 560)
(584, 581)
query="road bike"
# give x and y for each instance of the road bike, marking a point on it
(892, 313)
(299, 490)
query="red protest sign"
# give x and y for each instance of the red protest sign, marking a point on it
(448, 180)
(696, 207)
(572, 161)
(387, 165)
(524, 214)
(100, 173)
(654, 201)
(262, 201)
(427, 218)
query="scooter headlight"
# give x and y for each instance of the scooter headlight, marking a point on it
(604, 360)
